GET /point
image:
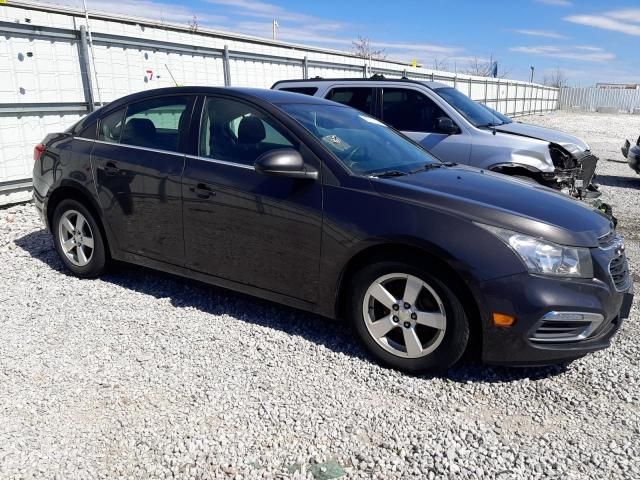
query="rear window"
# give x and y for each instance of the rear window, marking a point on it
(304, 90)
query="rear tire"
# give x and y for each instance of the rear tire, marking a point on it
(408, 317)
(78, 239)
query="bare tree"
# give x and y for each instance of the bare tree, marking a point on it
(362, 48)
(482, 68)
(556, 78)
(440, 64)
(193, 24)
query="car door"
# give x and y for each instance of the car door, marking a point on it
(138, 161)
(241, 225)
(417, 116)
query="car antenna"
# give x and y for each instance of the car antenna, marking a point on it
(171, 74)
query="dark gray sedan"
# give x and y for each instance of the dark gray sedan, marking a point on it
(318, 206)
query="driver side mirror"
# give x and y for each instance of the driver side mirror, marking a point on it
(446, 126)
(285, 162)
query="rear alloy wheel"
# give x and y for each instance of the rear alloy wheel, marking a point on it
(409, 319)
(78, 239)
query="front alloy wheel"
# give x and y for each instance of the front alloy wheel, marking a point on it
(408, 317)
(411, 321)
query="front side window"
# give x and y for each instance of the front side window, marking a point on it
(155, 123)
(111, 127)
(360, 98)
(410, 111)
(236, 132)
(363, 144)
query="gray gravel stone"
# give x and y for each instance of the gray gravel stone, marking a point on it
(143, 375)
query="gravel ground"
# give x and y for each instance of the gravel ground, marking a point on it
(143, 375)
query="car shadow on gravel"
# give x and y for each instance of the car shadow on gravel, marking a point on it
(632, 181)
(334, 335)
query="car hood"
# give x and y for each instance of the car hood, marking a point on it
(573, 145)
(498, 200)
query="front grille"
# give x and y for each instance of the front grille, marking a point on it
(619, 271)
(566, 327)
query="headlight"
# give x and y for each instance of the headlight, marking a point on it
(544, 257)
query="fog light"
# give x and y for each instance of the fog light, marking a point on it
(503, 320)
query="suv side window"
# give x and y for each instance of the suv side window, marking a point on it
(410, 110)
(360, 98)
(155, 123)
(236, 132)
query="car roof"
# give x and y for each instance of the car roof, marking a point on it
(319, 80)
(271, 96)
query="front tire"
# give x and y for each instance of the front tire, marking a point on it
(408, 317)
(78, 239)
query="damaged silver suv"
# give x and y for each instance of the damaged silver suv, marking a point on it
(456, 129)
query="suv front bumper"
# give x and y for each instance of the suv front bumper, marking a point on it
(529, 298)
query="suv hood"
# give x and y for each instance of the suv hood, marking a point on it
(495, 199)
(573, 145)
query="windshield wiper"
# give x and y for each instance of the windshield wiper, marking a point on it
(431, 166)
(399, 173)
(389, 173)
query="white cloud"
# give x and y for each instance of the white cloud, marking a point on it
(147, 9)
(540, 33)
(254, 17)
(556, 3)
(579, 53)
(623, 21)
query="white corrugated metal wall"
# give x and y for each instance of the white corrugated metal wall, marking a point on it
(591, 99)
(42, 88)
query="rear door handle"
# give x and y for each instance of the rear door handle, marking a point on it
(202, 190)
(110, 168)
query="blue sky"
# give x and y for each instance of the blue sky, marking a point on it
(591, 41)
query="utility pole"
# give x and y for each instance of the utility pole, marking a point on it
(275, 28)
(532, 70)
(93, 58)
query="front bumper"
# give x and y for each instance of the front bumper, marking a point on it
(632, 154)
(529, 298)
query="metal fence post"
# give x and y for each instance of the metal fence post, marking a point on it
(226, 66)
(305, 67)
(85, 69)
(486, 89)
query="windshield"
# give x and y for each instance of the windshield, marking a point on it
(477, 115)
(503, 119)
(363, 144)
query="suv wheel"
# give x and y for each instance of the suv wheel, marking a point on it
(407, 318)
(78, 239)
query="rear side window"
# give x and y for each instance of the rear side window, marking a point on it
(111, 127)
(155, 123)
(410, 110)
(360, 98)
(304, 90)
(88, 132)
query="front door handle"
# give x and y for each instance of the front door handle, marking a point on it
(202, 190)
(110, 168)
